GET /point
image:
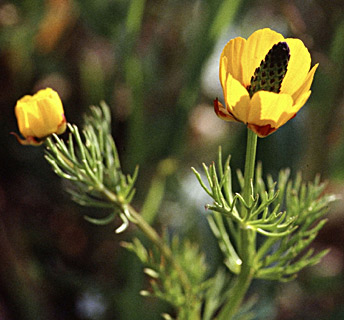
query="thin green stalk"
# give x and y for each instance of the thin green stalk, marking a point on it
(155, 238)
(249, 166)
(248, 238)
(165, 250)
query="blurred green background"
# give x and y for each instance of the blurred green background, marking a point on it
(155, 62)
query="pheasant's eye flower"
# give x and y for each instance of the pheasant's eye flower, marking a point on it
(39, 116)
(266, 79)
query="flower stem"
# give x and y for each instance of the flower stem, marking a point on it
(160, 244)
(249, 165)
(152, 235)
(247, 246)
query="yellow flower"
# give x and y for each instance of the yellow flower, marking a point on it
(266, 79)
(39, 116)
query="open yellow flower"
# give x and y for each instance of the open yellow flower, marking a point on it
(39, 116)
(266, 79)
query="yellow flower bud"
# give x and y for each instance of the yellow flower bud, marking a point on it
(39, 116)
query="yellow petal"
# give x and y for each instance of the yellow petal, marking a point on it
(50, 114)
(23, 121)
(40, 115)
(29, 118)
(30, 114)
(286, 116)
(301, 101)
(306, 85)
(268, 108)
(237, 99)
(256, 48)
(298, 66)
(222, 112)
(61, 128)
(36, 124)
(230, 60)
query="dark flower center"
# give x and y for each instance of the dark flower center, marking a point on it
(269, 75)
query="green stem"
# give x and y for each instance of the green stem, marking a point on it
(247, 248)
(160, 244)
(155, 238)
(249, 166)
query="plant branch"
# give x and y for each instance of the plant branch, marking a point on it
(248, 237)
(155, 238)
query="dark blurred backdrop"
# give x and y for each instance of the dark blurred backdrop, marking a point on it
(155, 63)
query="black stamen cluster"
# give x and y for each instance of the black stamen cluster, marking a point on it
(270, 74)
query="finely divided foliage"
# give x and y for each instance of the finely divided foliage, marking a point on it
(90, 162)
(287, 214)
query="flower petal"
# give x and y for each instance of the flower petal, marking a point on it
(50, 115)
(237, 99)
(255, 50)
(62, 126)
(23, 122)
(269, 108)
(222, 112)
(306, 84)
(36, 124)
(261, 131)
(298, 66)
(29, 141)
(40, 115)
(285, 117)
(230, 60)
(301, 101)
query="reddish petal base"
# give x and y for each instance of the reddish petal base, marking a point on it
(29, 141)
(262, 131)
(222, 112)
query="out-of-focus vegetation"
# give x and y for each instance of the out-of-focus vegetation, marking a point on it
(155, 63)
